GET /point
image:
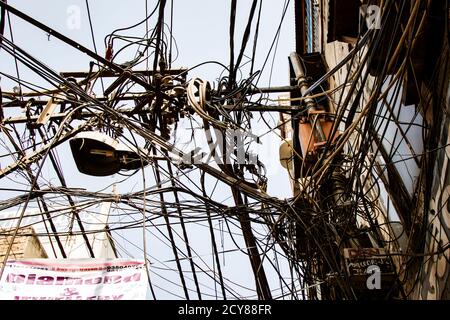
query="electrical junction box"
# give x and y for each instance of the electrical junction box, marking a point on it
(361, 263)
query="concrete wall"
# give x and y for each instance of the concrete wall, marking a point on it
(433, 269)
(26, 245)
(95, 224)
(434, 276)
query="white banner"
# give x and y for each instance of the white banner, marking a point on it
(74, 279)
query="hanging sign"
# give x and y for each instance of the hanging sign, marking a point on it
(74, 279)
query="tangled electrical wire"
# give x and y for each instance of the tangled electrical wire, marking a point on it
(337, 205)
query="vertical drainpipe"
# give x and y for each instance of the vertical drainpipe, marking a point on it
(302, 83)
(300, 48)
